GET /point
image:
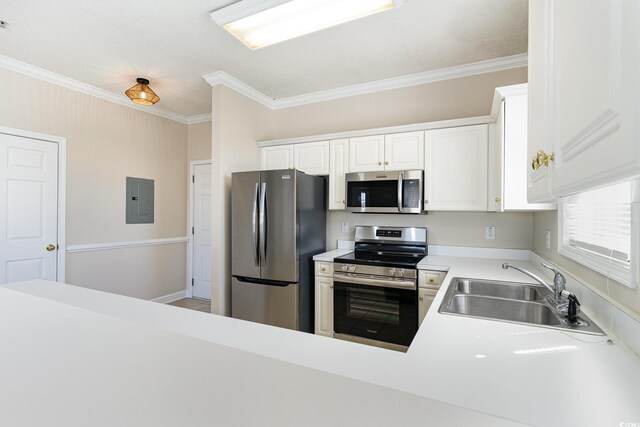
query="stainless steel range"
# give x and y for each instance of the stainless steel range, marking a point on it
(376, 287)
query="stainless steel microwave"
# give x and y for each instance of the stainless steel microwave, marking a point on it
(384, 192)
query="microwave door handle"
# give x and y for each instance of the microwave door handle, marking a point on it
(263, 223)
(254, 226)
(400, 179)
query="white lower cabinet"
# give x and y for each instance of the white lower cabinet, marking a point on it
(323, 318)
(456, 169)
(428, 284)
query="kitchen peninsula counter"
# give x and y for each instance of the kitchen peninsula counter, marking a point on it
(83, 357)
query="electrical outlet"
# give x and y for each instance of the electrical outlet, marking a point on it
(548, 239)
(490, 232)
(345, 227)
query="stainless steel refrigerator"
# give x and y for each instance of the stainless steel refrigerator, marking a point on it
(278, 223)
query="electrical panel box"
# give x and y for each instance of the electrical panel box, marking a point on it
(140, 201)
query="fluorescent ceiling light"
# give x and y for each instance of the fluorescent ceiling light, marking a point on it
(260, 23)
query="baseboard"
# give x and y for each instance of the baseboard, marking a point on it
(165, 299)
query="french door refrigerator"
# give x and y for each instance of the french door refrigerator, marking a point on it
(277, 224)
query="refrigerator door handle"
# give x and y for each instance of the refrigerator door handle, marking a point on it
(254, 224)
(263, 223)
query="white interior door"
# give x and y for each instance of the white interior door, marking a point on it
(202, 231)
(28, 209)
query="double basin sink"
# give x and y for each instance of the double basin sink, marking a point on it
(509, 302)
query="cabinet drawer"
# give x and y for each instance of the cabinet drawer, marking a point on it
(324, 269)
(431, 279)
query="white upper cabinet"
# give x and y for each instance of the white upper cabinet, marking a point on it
(366, 154)
(591, 68)
(277, 157)
(338, 166)
(537, 130)
(312, 158)
(456, 169)
(508, 165)
(404, 151)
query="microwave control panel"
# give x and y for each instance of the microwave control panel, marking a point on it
(411, 193)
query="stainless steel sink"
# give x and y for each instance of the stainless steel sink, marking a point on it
(503, 309)
(509, 302)
(517, 291)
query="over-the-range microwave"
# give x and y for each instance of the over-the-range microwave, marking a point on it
(384, 192)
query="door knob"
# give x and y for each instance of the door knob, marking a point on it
(50, 247)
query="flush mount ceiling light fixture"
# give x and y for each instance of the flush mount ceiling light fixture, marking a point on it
(260, 23)
(142, 93)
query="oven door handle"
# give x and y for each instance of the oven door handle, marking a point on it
(368, 280)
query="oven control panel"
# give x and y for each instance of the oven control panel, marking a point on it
(348, 268)
(352, 269)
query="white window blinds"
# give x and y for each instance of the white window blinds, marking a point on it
(599, 221)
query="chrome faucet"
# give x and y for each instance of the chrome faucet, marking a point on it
(558, 290)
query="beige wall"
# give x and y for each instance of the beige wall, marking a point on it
(199, 141)
(513, 230)
(449, 99)
(107, 142)
(543, 221)
(238, 123)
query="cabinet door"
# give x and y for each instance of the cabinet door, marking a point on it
(324, 306)
(338, 166)
(312, 158)
(595, 73)
(456, 169)
(366, 154)
(404, 151)
(425, 299)
(513, 119)
(278, 157)
(538, 127)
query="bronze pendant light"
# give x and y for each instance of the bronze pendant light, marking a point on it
(142, 93)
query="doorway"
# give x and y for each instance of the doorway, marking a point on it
(32, 176)
(200, 218)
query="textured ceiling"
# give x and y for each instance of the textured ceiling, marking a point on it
(174, 43)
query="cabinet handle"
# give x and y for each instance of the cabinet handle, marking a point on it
(498, 199)
(323, 268)
(542, 159)
(379, 163)
(386, 163)
(330, 286)
(426, 202)
(421, 298)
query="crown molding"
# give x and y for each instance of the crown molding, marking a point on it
(87, 89)
(466, 70)
(200, 118)
(222, 78)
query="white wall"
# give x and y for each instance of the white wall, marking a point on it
(107, 142)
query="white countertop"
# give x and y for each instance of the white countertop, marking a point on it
(455, 365)
(329, 256)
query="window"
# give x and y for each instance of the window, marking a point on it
(600, 229)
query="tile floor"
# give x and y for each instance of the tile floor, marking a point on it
(193, 304)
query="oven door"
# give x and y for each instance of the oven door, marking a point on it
(375, 308)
